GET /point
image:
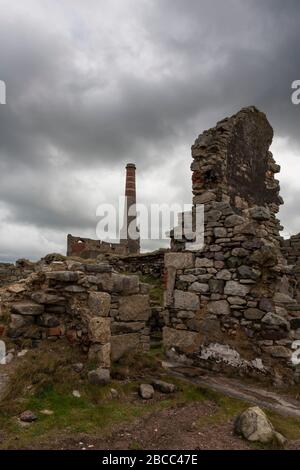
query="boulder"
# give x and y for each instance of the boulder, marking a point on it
(28, 416)
(163, 387)
(254, 426)
(99, 376)
(146, 391)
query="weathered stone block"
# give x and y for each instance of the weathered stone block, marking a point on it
(179, 260)
(126, 284)
(218, 307)
(199, 287)
(186, 300)
(27, 308)
(101, 354)
(253, 314)
(42, 297)
(185, 341)
(234, 288)
(65, 276)
(99, 303)
(99, 330)
(134, 308)
(18, 321)
(204, 263)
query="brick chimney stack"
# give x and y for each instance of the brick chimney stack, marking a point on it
(130, 195)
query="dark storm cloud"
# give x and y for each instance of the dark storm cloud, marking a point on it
(92, 85)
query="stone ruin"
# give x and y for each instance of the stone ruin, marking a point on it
(231, 307)
(103, 312)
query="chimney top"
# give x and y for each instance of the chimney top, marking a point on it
(131, 165)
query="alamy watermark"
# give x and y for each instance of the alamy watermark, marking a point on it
(151, 223)
(296, 94)
(2, 92)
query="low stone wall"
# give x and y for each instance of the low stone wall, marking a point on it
(104, 312)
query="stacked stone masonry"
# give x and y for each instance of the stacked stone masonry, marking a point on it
(231, 305)
(103, 312)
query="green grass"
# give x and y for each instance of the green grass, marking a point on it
(45, 380)
(156, 290)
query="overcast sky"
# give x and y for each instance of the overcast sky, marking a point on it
(94, 84)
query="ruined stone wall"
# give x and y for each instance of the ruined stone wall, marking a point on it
(229, 307)
(290, 249)
(104, 312)
(10, 272)
(88, 248)
(145, 263)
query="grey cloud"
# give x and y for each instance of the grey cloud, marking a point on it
(92, 88)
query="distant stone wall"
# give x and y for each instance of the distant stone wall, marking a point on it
(10, 273)
(145, 263)
(104, 312)
(231, 307)
(88, 248)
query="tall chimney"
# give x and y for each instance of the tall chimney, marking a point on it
(130, 195)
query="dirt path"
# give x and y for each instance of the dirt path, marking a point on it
(234, 388)
(175, 428)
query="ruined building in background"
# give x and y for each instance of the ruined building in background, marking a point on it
(88, 248)
(233, 306)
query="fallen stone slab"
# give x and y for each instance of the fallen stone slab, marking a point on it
(163, 387)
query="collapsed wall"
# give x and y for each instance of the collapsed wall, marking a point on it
(103, 312)
(230, 304)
